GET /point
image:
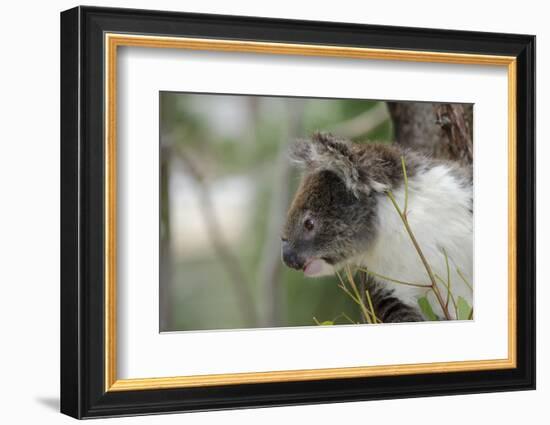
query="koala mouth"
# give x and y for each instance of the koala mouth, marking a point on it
(313, 267)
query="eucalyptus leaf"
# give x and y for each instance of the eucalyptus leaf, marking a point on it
(426, 308)
(464, 309)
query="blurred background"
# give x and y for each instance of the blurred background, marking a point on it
(226, 183)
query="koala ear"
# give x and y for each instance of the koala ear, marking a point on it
(325, 152)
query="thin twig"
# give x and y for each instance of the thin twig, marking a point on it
(343, 314)
(363, 289)
(346, 290)
(406, 185)
(448, 277)
(448, 292)
(401, 282)
(421, 254)
(464, 279)
(371, 306)
(358, 295)
(333, 321)
(419, 250)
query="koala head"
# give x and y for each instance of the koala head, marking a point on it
(332, 217)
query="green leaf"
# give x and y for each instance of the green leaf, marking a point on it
(325, 323)
(464, 309)
(426, 308)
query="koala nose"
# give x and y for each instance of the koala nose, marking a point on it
(291, 258)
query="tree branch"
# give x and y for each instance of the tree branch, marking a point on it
(229, 261)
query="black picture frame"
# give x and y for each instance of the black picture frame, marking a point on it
(83, 392)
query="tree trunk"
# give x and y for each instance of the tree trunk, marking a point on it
(166, 321)
(441, 130)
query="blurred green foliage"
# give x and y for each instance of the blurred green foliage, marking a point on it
(223, 136)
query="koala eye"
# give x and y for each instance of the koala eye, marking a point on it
(308, 224)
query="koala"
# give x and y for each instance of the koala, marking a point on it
(341, 215)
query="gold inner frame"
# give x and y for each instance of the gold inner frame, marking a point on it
(113, 41)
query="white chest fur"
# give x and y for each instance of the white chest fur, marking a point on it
(439, 214)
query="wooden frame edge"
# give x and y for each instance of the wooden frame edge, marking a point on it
(306, 375)
(113, 40)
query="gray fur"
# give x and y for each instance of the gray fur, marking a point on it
(341, 186)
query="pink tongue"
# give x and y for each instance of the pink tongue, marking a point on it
(313, 268)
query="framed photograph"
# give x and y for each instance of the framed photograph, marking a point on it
(261, 212)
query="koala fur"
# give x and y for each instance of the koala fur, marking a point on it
(341, 215)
